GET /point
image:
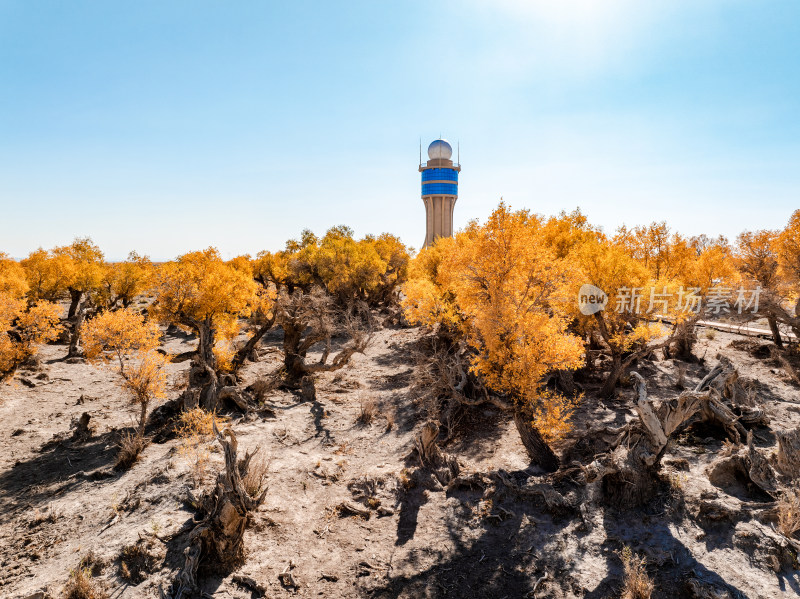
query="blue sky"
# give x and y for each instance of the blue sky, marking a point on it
(170, 126)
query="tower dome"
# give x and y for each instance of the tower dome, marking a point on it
(440, 149)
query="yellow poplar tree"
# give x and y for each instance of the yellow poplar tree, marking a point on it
(87, 269)
(123, 281)
(201, 292)
(756, 258)
(22, 325)
(788, 250)
(623, 333)
(504, 290)
(122, 335)
(48, 275)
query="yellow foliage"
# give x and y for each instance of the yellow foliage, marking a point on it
(756, 257)
(12, 277)
(664, 254)
(200, 286)
(123, 281)
(124, 334)
(610, 267)
(119, 334)
(200, 291)
(147, 378)
(788, 249)
(348, 268)
(87, 265)
(552, 414)
(712, 265)
(426, 300)
(198, 422)
(367, 269)
(48, 274)
(568, 232)
(224, 350)
(22, 327)
(195, 430)
(243, 264)
(508, 294)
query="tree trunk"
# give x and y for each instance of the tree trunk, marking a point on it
(444, 467)
(683, 340)
(776, 334)
(142, 417)
(610, 384)
(219, 537)
(205, 345)
(538, 450)
(204, 382)
(251, 344)
(629, 475)
(75, 335)
(75, 298)
(292, 360)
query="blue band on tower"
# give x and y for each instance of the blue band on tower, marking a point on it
(439, 189)
(439, 174)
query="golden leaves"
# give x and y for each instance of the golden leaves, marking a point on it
(119, 334)
(503, 287)
(201, 286)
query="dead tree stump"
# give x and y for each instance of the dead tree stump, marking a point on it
(218, 539)
(789, 452)
(444, 467)
(629, 474)
(82, 430)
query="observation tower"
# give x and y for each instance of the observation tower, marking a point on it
(439, 190)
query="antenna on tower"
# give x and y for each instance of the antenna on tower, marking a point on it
(458, 145)
(420, 150)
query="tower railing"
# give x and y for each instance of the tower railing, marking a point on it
(425, 165)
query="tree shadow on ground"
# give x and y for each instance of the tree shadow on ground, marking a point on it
(29, 482)
(650, 535)
(402, 353)
(479, 429)
(493, 554)
(406, 412)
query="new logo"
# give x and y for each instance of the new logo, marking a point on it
(591, 300)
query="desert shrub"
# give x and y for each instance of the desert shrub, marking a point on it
(390, 415)
(201, 292)
(130, 446)
(637, 584)
(195, 430)
(711, 334)
(23, 325)
(311, 319)
(261, 388)
(81, 585)
(254, 480)
(140, 559)
(406, 479)
(367, 412)
(789, 513)
(93, 563)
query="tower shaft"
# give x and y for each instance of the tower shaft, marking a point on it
(439, 191)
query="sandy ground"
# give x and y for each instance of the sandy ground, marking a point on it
(59, 500)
